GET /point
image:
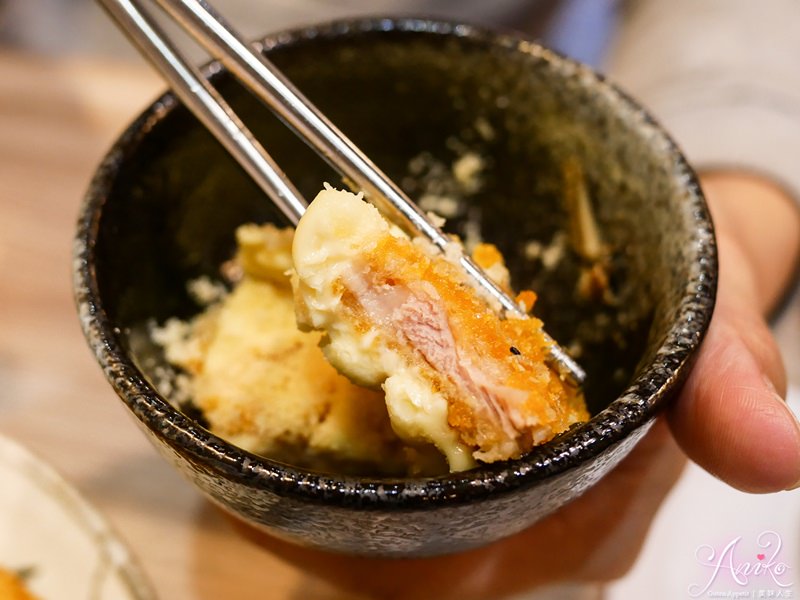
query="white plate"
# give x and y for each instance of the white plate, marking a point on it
(45, 526)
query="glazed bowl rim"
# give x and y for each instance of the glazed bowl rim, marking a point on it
(634, 408)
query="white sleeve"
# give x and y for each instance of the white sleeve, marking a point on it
(723, 76)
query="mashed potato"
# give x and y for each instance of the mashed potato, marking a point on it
(265, 386)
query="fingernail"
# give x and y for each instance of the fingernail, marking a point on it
(771, 386)
(794, 419)
(790, 414)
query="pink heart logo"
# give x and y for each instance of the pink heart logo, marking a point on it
(760, 556)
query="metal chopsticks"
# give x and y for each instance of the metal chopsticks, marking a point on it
(259, 75)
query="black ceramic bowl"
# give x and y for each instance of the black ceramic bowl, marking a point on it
(164, 204)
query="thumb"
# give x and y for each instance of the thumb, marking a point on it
(730, 417)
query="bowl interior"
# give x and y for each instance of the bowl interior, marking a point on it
(176, 197)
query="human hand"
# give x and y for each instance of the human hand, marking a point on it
(729, 419)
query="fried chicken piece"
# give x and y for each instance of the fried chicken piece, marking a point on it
(399, 315)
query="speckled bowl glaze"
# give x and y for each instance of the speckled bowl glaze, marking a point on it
(164, 204)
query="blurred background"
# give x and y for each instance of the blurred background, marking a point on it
(79, 27)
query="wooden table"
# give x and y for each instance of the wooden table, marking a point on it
(56, 121)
